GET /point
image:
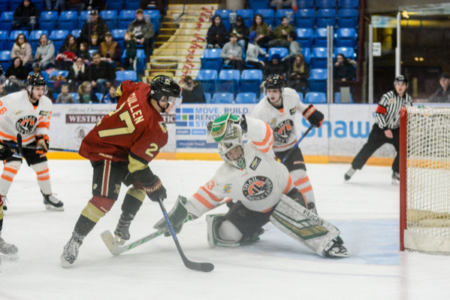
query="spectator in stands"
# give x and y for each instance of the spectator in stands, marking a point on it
(17, 70)
(261, 29)
(281, 33)
(151, 4)
(294, 48)
(54, 4)
(281, 3)
(84, 53)
(101, 74)
(130, 53)
(26, 15)
(442, 95)
(217, 33)
(344, 68)
(86, 93)
(299, 74)
(69, 4)
(78, 73)
(45, 54)
(49, 94)
(143, 32)
(192, 91)
(110, 50)
(67, 53)
(3, 91)
(94, 30)
(110, 97)
(22, 49)
(232, 54)
(96, 4)
(253, 52)
(65, 97)
(241, 31)
(275, 66)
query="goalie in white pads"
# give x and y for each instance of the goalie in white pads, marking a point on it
(278, 109)
(263, 189)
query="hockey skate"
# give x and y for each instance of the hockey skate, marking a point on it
(8, 249)
(335, 249)
(70, 252)
(5, 200)
(122, 232)
(349, 174)
(52, 203)
(395, 178)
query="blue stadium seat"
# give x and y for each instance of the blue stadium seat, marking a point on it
(223, 98)
(320, 37)
(211, 59)
(283, 52)
(110, 17)
(318, 80)
(76, 33)
(92, 51)
(326, 17)
(305, 37)
(5, 59)
(250, 81)
(116, 5)
(284, 13)
(229, 81)
(4, 5)
(319, 58)
(346, 37)
(118, 36)
(6, 19)
(247, 15)
(82, 18)
(48, 20)
(305, 4)
(325, 3)
(208, 78)
(300, 95)
(258, 4)
(58, 37)
(68, 20)
(244, 98)
(307, 54)
(155, 18)
(39, 5)
(14, 3)
(337, 98)
(314, 97)
(13, 35)
(125, 75)
(347, 18)
(348, 3)
(125, 18)
(4, 35)
(208, 97)
(57, 73)
(347, 51)
(99, 96)
(140, 59)
(268, 15)
(34, 37)
(305, 18)
(76, 96)
(132, 4)
(55, 95)
(43, 74)
(225, 15)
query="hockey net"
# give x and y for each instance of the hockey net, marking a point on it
(425, 179)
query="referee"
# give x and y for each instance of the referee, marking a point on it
(386, 128)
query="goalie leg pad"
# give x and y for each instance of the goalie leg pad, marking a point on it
(218, 226)
(303, 225)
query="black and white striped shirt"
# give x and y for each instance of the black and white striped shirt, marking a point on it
(387, 115)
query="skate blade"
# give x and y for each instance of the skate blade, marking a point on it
(11, 257)
(64, 263)
(51, 207)
(395, 182)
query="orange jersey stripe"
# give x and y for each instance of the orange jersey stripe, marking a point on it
(203, 201)
(210, 194)
(267, 210)
(10, 170)
(43, 178)
(13, 138)
(301, 181)
(42, 172)
(267, 149)
(266, 138)
(44, 125)
(7, 178)
(286, 189)
(306, 189)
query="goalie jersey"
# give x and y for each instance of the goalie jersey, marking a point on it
(281, 120)
(19, 115)
(258, 186)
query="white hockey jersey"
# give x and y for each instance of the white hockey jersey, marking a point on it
(18, 115)
(259, 186)
(281, 121)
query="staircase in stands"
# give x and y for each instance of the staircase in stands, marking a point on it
(181, 41)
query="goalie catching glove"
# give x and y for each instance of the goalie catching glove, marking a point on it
(219, 128)
(177, 216)
(42, 143)
(313, 116)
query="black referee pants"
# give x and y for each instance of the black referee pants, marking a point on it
(377, 138)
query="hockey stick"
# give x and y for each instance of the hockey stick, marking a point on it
(19, 144)
(14, 145)
(296, 145)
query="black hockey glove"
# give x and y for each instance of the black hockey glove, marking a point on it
(5, 151)
(154, 188)
(313, 116)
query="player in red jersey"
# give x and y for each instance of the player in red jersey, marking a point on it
(120, 148)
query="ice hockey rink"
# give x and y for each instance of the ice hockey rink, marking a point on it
(364, 209)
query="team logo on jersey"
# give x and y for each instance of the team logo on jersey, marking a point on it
(18, 112)
(273, 122)
(227, 188)
(43, 113)
(283, 130)
(167, 82)
(95, 186)
(292, 111)
(163, 126)
(257, 188)
(255, 163)
(26, 124)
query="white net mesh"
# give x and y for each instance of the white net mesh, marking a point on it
(428, 180)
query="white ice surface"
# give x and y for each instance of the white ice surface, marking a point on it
(364, 209)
